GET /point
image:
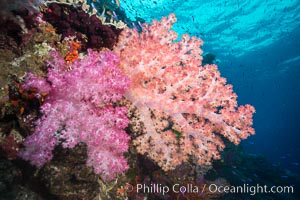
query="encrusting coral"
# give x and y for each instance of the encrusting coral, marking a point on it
(185, 107)
(74, 21)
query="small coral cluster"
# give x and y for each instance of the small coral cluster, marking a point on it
(79, 108)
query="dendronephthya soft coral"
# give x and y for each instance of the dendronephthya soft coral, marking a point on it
(80, 107)
(184, 107)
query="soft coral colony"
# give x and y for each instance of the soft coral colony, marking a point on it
(79, 108)
(184, 109)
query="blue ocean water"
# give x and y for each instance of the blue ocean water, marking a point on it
(257, 46)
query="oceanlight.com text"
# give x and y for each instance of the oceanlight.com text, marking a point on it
(250, 189)
(214, 188)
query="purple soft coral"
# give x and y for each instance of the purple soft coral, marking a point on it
(79, 108)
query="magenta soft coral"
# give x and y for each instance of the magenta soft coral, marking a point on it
(79, 108)
(184, 107)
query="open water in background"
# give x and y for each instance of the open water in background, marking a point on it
(257, 44)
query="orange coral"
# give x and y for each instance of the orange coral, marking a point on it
(121, 191)
(73, 55)
(20, 98)
(50, 29)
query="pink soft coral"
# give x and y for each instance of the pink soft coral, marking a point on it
(184, 107)
(79, 108)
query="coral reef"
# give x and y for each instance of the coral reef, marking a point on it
(67, 176)
(185, 108)
(11, 144)
(68, 103)
(18, 23)
(10, 176)
(85, 95)
(30, 57)
(73, 21)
